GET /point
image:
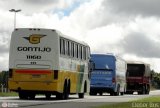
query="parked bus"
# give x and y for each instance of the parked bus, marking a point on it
(138, 77)
(108, 75)
(44, 61)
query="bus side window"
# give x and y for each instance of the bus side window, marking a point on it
(81, 53)
(66, 47)
(69, 48)
(88, 53)
(62, 46)
(72, 49)
(84, 53)
(63, 41)
(76, 50)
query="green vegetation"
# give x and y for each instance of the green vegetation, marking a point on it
(155, 80)
(150, 99)
(8, 94)
(150, 102)
(4, 78)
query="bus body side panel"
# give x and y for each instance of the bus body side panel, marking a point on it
(76, 72)
(121, 68)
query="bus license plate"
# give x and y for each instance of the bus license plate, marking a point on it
(36, 76)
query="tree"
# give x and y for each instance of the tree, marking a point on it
(0, 77)
(155, 79)
(4, 78)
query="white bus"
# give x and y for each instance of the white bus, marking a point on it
(44, 61)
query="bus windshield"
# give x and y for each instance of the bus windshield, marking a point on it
(103, 62)
(135, 69)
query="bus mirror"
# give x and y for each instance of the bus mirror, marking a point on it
(91, 65)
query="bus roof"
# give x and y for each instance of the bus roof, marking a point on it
(110, 54)
(57, 31)
(137, 62)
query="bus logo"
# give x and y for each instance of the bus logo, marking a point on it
(34, 38)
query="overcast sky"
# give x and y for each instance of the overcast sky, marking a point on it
(128, 28)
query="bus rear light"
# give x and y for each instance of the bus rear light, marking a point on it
(113, 80)
(55, 74)
(10, 73)
(28, 71)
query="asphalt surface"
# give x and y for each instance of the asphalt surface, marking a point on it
(72, 102)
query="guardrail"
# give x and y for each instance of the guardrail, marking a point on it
(3, 88)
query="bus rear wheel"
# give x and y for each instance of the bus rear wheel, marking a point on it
(117, 92)
(59, 96)
(22, 95)
(93, 93)
(81, 95)
(48, 95)
(66, 90)
(147, 89)
(122, 93)
(31, 96)
(65, 93)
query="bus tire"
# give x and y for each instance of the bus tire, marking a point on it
(31, 96)
(65, 93)
(92, 93)
(118, 91)
(48, 95)
(100, 93)
(22, 95)
(122, 93)
(81, 95)
(147, 89)
(143, 90)
(129, 92)
(139, 93)
(66, 90)
(60, 96)
(111, 93)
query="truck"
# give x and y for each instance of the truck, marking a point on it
(108, 75)
(138, 77)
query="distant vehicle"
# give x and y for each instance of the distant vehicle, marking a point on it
(108, 75)
(44, 61)
(138, 78)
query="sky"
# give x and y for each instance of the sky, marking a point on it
(127, 28)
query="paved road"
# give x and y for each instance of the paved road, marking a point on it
(72, 102)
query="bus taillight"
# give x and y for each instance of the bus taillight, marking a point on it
(113, 80)
(55, 74)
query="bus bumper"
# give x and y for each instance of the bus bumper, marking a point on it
(34, 86)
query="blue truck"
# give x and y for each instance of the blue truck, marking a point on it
(108, 75)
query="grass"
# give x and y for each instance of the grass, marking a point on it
(150, 102)
(150, 99)
(8, 94)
